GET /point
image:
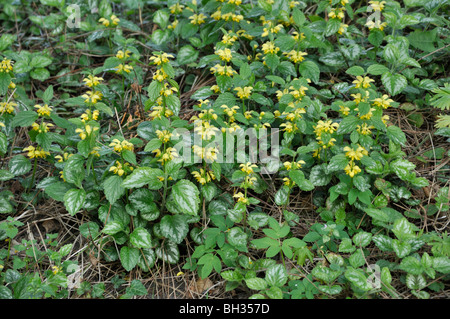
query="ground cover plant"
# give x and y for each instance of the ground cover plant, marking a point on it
(224, 149)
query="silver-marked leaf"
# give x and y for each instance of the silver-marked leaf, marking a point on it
(186, 196)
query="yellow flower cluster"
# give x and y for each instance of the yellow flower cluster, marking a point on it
(43, 110)
(164, 135)
(203, 176)
(119, 146)
(354, 155)
(6, 65)
(169, 154)
(92, 81)
(86, 131)
(197, 19)
(160, 58)
(121, 169)
(113, 20)
(7, 107)
(36, 152)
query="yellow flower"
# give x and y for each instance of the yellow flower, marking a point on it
(89, 115)
(225, 54)
(92, 96)
(358, 98)
(351, 169)
(164, 136)
(344, 110)
(117, 169)
(92, 81)
(114, 20)
(86, 131)
(173, 25)
(328, 127)
(104, 21)
(158, 112)
(230, 111)
(203, 177)
(383, 102)
(229, 39)
(41, 128)
(336, 13)
(168, 155)
(298, 36)
(161, 58)
(362, 82)
(241, 198)
(364, 129)
(56, 269)
(197, 18)
(6, 65)
(296, 56)
(377, 5)
(123, 68)
(119, 146)
(244, 93)
(222, 70)
(248, 168)
(7, 107)
(269, 47)
(376, 25)
(366, 116)
(123, 55)
(36, 152)
(95, 151)
(43, 110)
(205, 130)
(342, 28)
(288, 182)
(176, 8)
(293, 165)
(355, 154)
(289, 127)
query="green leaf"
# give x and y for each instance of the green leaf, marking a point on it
(137, 288)
(441, 264)
(377, 69)
(24, 118)
(174, 227)
(357, 278)
(362, 239)
(337, 162)
(40, 61)
(187, 54)
(256, 283)
(282, 195)
(357, 259)
(396, 135)
(113, 188)
(348, 125)
(74, 200)
(40, 74)
(411, 265)
(74, 171)
(394, 83)
(5, 80)
(129, 257)
(142, 200)
(276, 275)
(325, 274)
(141, 238)
(168, 252)
(113, 227)
(355, 70)
(186, 196)
(319, 176)
(19, 165)
(309, 70)
(161, 17)
(144, 176)
(402, 168)
(238, 239)
(401, 248)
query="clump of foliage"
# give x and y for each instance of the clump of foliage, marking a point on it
(93, 113)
